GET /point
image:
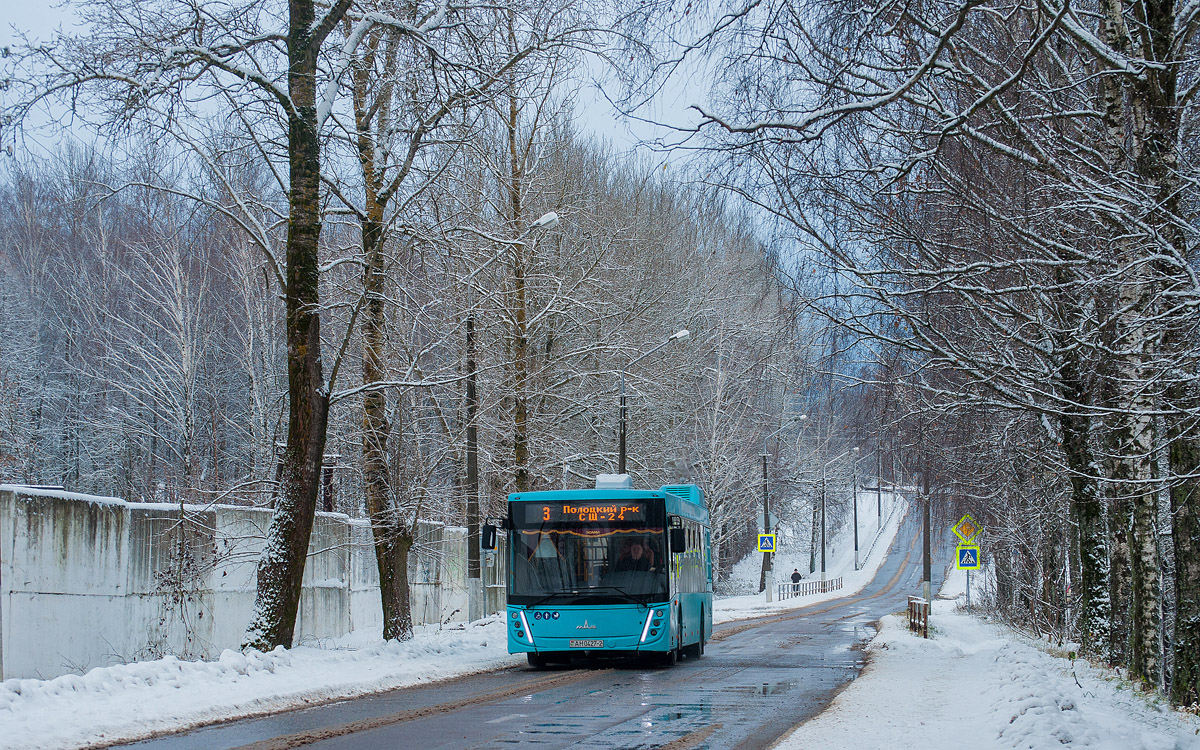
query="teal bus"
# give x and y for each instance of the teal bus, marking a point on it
(608, 572)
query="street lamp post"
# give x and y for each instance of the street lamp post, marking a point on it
(854, 489)
(475, 594)
(926, 563)
(677, 336)
(767, 568)
(823, 521)
(621, 430)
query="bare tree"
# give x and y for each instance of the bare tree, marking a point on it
(167, 63)
(894, 140)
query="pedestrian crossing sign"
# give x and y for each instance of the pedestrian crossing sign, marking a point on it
(766, 542)
(968, 557)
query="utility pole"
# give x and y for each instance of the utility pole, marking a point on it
(622, 415)
(823, 522)
(927, 567)
(679, 335)
(475, 603)
(766, 563)
(849, 452)
(766, 580)
(879, 485)
(854, 491)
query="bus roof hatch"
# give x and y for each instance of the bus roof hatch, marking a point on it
(614, 482)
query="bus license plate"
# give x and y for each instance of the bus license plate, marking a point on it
(586, 643)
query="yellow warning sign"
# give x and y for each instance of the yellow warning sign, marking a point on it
(967, 529)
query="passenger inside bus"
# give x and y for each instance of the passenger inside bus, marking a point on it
(636, 568)
(634, 557)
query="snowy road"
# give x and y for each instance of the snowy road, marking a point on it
(757, 680)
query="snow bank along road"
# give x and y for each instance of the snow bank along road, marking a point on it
(757, 680)
(979, 686)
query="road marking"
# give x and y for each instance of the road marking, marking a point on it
(299, 739)
(506, 718)
(691, 740)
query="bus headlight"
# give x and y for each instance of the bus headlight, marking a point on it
(646, 627)
(525, 623)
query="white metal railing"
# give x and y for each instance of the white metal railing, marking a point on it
(879, 531)
(808, 588)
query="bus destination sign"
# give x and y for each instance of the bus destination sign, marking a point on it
(602, 511)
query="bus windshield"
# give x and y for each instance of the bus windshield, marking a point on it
(590, 553)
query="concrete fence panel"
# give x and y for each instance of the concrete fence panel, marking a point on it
(90, 581)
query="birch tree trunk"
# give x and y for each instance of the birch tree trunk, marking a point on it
(1140, 145)
(1157, 110)
(1134, 476)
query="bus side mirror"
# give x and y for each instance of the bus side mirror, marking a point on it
(678, 540)
(488, 537)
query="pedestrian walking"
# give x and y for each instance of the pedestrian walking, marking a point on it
(796, 582)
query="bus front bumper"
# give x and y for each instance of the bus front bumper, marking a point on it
(596, 632)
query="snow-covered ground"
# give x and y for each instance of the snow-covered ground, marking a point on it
(973, 684)
(981, 686)
(134, 701)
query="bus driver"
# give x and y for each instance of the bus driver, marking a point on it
(634, 557)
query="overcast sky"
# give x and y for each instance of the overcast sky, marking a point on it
(596, 115)
(31, 17)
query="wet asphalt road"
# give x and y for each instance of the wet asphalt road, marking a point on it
(756, 681)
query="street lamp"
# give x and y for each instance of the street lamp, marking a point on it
(548, 220)
(677, 336)
(475, 593)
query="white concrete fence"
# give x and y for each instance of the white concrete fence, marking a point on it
(91, 581)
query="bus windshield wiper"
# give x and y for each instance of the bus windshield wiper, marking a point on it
(618, 590)
(548, 597)
(583, 592)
